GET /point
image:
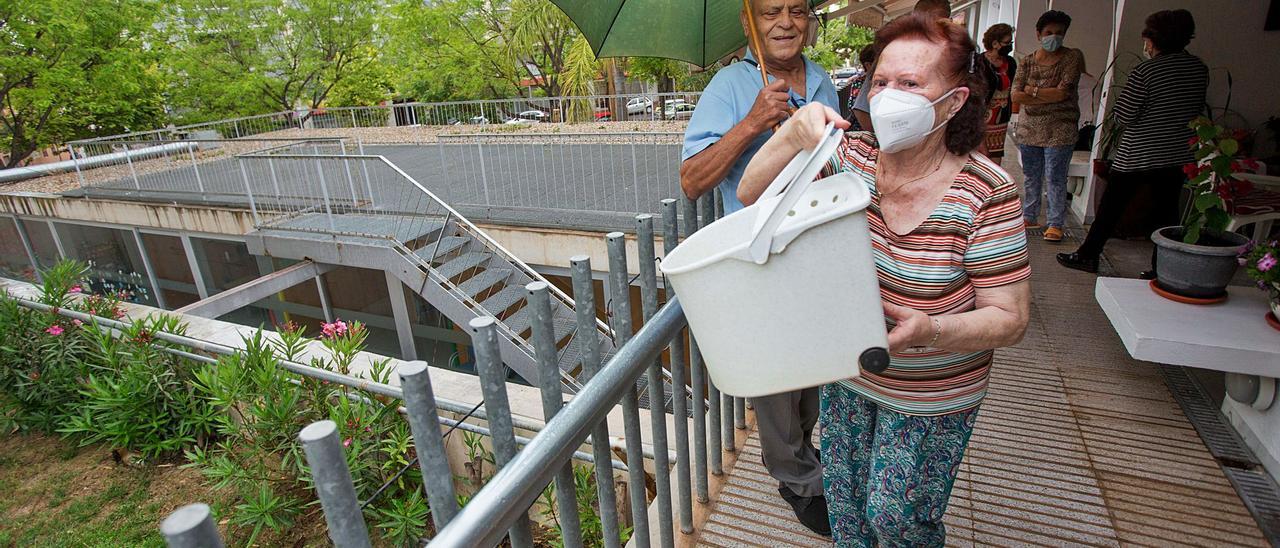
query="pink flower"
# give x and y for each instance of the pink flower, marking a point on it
(76, 289)
(54, 330)
(346, 442)
(77, 323)
(333, 330)
(1267, 262)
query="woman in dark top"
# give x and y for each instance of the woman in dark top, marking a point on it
(1160, 98)
(998, 42)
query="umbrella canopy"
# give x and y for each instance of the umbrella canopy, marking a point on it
(696, 31)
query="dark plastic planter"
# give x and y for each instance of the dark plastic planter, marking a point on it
(1200, 270)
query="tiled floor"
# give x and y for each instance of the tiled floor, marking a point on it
(1076, 444)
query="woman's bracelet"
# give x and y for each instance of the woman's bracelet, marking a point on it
(937, 331)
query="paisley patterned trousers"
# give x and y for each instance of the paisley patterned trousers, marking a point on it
(888, 476)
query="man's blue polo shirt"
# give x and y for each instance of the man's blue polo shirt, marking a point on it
(728, 99)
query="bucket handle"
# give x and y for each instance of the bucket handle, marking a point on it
(791, 183)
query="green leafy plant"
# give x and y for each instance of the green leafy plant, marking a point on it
(1211, 178)
(137, 397)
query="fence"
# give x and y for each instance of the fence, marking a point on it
(191, 169)
(501, 507)
(568, 109)
(531, 178)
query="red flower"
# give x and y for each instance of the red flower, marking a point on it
(1193, 141)
(1191, 170)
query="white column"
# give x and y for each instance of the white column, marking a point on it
(400, 311)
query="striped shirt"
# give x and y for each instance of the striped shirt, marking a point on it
(973, 239)
(1161, 96)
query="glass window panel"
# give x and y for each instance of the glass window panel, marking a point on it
(115, 266)
(14, 262)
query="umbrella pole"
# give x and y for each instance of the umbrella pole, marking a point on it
(753, 41)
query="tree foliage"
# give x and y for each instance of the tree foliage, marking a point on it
(448, 51)
(236, 57)
(74, 68)
(839, 43)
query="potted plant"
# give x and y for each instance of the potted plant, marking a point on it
(1198, 258)
(1260, 261)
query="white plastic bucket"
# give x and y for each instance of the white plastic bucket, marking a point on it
(799, 308)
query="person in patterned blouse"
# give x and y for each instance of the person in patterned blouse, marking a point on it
(951, 255)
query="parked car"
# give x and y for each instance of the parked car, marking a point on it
(603, 114)
(843, 76)
(478, 120)
(678, 109)
(533, 116)
(639, 105)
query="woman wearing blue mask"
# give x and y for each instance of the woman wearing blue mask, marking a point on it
(1048, 124)
(951, 257)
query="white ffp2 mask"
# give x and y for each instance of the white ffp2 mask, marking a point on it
(903, 119)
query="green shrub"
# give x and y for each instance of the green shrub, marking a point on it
(137, 396)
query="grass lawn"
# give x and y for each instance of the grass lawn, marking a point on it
(53, 493)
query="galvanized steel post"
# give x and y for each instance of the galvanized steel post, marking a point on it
(544, 345)
(191, 151)
(191, 527)
(679, 402)
(333, 484)
(132, 172)
(708, 214)
(585, 307)
(620, 314)
(493, 384)
(657, 395)
(696, 381)
(423, 417)
(253, 207)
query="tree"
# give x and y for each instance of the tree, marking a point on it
(581, 69)
(538, 33)
(838, 43)
(663, 72)
(249, 56)
(74, 68)
(447, 51)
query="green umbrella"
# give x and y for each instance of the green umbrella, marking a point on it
(696, 31)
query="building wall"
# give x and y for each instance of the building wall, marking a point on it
(1230, 40)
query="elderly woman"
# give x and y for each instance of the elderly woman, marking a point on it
(1045, 86)
(951, 254)
(1160, 98)
(998, 42)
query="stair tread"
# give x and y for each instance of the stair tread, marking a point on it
(462, 263)
(503, 300)
(477, 284)
(445, 246)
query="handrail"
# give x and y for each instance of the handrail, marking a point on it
(415, 104)
(508, 495)
(470, 227)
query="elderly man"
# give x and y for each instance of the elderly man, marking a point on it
(734, 117)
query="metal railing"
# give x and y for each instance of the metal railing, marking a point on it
(567, 109)
(194, 169)
(366, 196)
(597, 172)
(501, 507)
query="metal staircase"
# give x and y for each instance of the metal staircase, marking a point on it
(361, 210)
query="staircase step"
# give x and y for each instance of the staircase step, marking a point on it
(463, 263)
(477, 284)
(447, 245)
(503, 300)
(521, 320)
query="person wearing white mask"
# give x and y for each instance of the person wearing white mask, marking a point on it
(951, 256)
(1048, 124)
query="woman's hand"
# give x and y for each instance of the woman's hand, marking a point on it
(804, 129)
(801, 131)
(914, 328)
